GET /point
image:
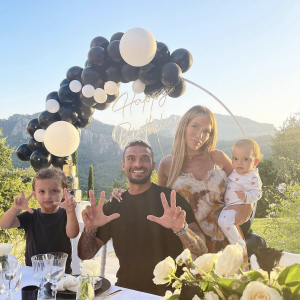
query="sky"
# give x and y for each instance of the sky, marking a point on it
(246, 53)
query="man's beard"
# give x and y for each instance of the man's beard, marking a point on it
(140, 180)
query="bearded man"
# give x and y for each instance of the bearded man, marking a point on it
(149, 224)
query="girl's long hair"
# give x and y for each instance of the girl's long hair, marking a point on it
(179, 144)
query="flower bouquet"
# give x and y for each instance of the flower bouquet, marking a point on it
(220, 276)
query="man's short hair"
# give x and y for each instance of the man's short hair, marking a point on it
(138, 143)
(51, 173)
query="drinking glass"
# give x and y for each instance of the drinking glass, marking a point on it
(38, 271)
(54, 269)
(11, 278)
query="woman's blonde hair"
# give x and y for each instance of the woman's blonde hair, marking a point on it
(250, 144)
(178, 149)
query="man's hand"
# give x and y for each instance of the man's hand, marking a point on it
(22, 202)
(243, 212)
(93, 215)
(173, 217)
(69, 204)
(242, 195)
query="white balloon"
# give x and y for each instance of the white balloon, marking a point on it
(75, 86)
(138, 87)
(111, 88)
(88, 91)
(61, 139)
(100, 96)
(138, 47)
(52, 106)
(39, 135)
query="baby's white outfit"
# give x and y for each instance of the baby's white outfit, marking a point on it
(251, 184)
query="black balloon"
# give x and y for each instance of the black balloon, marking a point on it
(97, 56)
(34, 145)
(99, 41)
(33, 126)
(68, 114)
(253, 242)
(183, 58)
(74, 73)
(40, 160)
(117, 36)
(90, 76)
(66, 95)
(179, 89)
(84, 112)
(83, 122)
(129, 73)
(113, 74)
(170, 74)
(148, 74)
(88, 102)
(23, 152)
(102, 106)
(113, 51)
(162, 55)
(58, 162)
(64, 82)
(46, 118)
(87, 64)
(112, 98)
(54, 95)
(149, 89)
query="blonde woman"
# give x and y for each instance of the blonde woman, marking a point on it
(198, 172)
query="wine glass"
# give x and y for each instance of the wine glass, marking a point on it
(11, 278)
(54, 268)
(38, 271)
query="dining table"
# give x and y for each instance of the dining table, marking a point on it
(125, 294)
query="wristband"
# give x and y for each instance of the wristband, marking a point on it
(90, 234)
(184, 230)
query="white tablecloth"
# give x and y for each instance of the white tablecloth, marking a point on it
(27, 279)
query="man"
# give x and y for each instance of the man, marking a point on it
(146, 226)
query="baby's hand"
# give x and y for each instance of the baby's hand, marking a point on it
(242, 195)
(22, 202)
(69, 204)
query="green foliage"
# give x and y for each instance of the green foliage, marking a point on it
(91, 179)
(5, 153)
(75, 161)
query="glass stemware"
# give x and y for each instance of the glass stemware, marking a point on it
(11, 275)
(54, 269)
(38, 271)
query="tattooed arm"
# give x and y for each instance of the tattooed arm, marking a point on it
(194, 240)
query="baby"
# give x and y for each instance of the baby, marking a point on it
(243, 187)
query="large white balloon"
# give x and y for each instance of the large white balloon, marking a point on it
(61, 139)
(52, 106)
(39, 135)
(138, 47)
(138, 87)
(111, 88)
(75, 86)
(100, 96)
(88, 91)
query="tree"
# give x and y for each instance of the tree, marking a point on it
(75, 161)
(91, 179)
(5, 153)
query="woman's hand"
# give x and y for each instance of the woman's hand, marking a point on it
(117, 194)
(243, 212)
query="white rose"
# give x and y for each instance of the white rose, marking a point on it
(167, 295)
(230, 260)
(5, 249)
(211, 296)
(90, 267)
(163, 270)
(258, 291)
(205, 262)
(184, 258)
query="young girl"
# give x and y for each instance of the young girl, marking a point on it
(243, 187)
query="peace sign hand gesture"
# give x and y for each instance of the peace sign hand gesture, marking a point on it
(93, 215)
(69, 204)
(173, 217)
(22, 202)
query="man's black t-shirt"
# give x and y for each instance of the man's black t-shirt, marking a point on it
(139, 243)
(46, 233)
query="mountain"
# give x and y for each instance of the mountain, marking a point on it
(98, 148)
